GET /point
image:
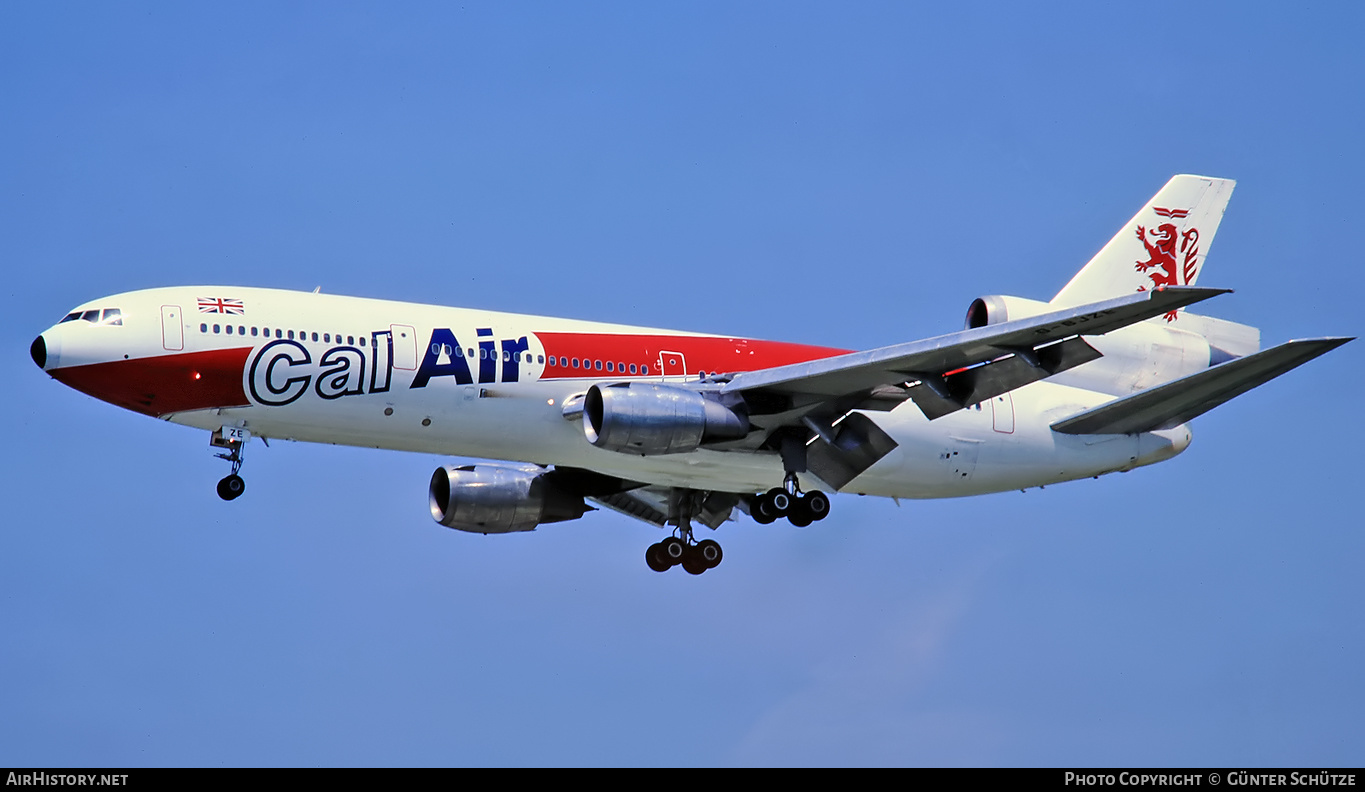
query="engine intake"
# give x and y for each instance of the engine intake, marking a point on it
(493, 499)
(648, 419)
(997, 308)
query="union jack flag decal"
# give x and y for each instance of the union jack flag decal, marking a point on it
(221, 306)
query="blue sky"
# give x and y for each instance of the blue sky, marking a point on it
(817, 173)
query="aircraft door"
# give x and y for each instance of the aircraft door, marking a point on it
(672, 364)
(1002, 407)
(404, 347)
(172, 328)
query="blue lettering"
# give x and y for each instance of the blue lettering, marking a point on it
(265, 383)
(488, 356)
(511, 358)
(442, 339)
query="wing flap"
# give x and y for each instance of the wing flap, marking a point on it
(981, 383)
(1167, 406)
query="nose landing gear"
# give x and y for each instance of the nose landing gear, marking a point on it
(234, 440)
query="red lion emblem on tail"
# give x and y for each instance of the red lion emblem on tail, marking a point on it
(1166, 247)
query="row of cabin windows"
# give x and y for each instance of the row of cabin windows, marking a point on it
(485, 354)
(482, 354)
(264, 332)
(598, 365)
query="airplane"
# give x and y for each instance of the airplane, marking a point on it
(681, 429)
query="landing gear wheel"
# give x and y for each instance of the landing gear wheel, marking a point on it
(780, 499)
(654, 557)
(762, 510)
(693, 563)
(800, 515)
(817, 503)
(672, 551)
(231, 487)
(708, 550)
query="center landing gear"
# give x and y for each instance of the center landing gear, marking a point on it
(231, 486)
(682, 549)
(788, 501)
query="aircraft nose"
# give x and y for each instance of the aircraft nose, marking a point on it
(39, 352)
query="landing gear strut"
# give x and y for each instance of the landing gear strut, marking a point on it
(788, 501)
(682, 549)
(231, 486)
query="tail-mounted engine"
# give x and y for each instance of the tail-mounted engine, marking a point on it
(494, 499)
(647, 419)
(997, 308)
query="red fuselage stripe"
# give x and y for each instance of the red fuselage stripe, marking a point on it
(165, 383)
(667, 355)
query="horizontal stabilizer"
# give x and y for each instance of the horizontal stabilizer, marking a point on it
(1167, 406)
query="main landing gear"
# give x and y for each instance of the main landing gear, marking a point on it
(676, 551)
(788, 501)
(682, 549)
(231, 486)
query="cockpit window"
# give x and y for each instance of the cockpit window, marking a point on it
(112, 317)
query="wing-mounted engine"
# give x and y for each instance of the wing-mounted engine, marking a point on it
(495, 499)
(647, 418)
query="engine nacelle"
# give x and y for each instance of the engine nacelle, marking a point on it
(997, 308)
(646, 418)
(493, 499)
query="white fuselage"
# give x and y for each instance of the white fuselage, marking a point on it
(330, 369)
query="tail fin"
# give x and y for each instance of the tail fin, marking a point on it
(1163, 245)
